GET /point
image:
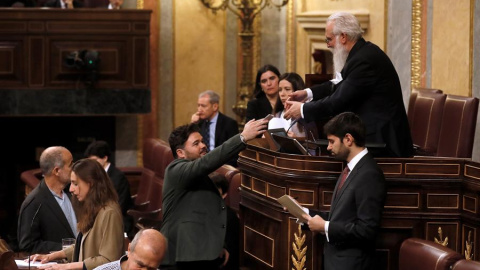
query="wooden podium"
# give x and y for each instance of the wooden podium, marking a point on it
(430, 198)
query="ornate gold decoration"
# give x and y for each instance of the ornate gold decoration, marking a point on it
(441, 241)
(299, 261)
(416, 43)
(246, 11)
(469, 247)
(290, 36)
(140, 4)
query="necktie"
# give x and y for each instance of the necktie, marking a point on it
(344, 177)
(206, 134)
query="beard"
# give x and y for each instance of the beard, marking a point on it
(340, 55)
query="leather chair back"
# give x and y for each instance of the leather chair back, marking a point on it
(31, 178)
(458, 127)
(419, 254)
(426, 120)
(7, 261)
(413, 98)
(466, 265)
(233, 175)
(144, 188)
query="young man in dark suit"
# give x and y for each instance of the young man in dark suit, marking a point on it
(194, 213)
(100, 151)
(215, 127)
(365, 83)
(356, 209)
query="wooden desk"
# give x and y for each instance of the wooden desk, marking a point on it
(424, 196)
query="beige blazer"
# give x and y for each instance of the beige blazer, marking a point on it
(104, 242)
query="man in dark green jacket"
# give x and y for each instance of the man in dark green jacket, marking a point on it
(194, 213)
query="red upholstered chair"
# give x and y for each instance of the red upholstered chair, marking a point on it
(466, 265)
(425, 121)
(233, 176)
(458, 127)
(7, 257)
(31, 178)
(413, 99)
(419, 254)
(141, 198)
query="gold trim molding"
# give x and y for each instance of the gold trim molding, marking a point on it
(416, 43)
(315, 22)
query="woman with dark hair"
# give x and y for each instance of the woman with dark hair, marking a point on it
(288, 83)
(265, 93)
(100, 239)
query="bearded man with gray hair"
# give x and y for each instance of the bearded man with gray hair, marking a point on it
(365, 83)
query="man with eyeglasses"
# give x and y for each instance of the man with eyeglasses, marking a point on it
(365, 83)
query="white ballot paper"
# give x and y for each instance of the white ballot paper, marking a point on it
(278, 123)
(293, 207)
(23, 264)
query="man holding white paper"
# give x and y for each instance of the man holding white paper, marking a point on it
(365, 83)
(358, 198)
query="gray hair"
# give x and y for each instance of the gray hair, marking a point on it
(50, 158)
(214, 97)
(344, 22)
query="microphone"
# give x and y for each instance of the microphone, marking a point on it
(293, 123)
(31, 226)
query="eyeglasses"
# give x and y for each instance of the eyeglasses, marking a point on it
(328, 40)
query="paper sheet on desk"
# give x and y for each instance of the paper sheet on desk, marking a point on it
(22, 264)
(293, 207)
(277, 122)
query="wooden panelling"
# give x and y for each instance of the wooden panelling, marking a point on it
(472, 171)
(275, 192)
(140, 61)
(266, 159)
(259, 186)
(442, 201)
(12, 62)
(34, 45)
(424, 196)
(391, 168)
(432, 169)
(470, 204)
(37, 62)
(254, 239)
(303, 196)
(402, 200)
(246, 181)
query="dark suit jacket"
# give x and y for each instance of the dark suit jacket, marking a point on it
(122, 187)
(258, 108)
(371, 89)
(50, 224)
(355, 215)
(225, 129)
(56, 4)
(194, 213)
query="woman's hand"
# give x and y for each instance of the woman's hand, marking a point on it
(43, 258)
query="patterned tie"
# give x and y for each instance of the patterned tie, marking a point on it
(345, 173)
(206, 134)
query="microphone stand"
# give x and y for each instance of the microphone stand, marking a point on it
(31, 226)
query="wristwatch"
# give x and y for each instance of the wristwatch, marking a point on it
(243, 139)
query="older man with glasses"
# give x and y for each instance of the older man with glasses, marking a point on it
(365, 83)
